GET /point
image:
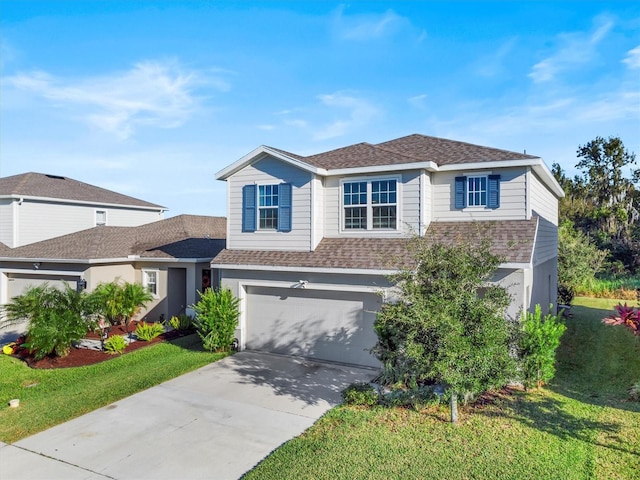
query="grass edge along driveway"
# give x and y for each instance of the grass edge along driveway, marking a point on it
(50, 397)
(578, 427)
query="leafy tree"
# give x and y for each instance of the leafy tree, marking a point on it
(604, 201)
(578, 258)
(56, 318)
(216, 319)
(448, 325)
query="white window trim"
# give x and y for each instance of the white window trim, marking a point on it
(145, 283)
(258, 207)
(370, 229)
(95, 216)
(475, 208)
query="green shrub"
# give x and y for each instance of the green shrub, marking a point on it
(182, 322)
(416, 398)
(57, 318)
(539, 339)
(360, 394)
(216, 319)
(149, 331)
(115, 345)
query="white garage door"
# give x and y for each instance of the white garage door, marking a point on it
(18, 283)
(326, 325)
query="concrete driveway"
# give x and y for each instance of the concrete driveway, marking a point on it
(215, 423)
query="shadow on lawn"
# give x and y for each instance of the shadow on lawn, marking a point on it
(597, 364)
(550, 415)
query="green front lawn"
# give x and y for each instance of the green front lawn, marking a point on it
(50, 397)
(580, 427)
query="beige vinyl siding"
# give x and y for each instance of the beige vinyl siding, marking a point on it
(512, 196)
(266, 171)
(544, 204)
(38, 220)
(6, 222)
(408, 207)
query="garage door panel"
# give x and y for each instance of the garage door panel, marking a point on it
(19, 283)
(327, 325)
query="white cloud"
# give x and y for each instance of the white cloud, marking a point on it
(266, 127)
(418, 101)
(152, 93)
(359, 113)
(574, 49)
(366, 26)
(633, 58)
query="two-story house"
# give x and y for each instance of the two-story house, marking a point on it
(311, 240)
(36, 206)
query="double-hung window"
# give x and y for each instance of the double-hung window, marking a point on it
(150, 281)
(101, 217)
(268, 206)
(477, 191)
(370, 204)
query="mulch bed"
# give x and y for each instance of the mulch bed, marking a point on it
(79, 357)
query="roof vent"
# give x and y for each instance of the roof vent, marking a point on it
(57, 177)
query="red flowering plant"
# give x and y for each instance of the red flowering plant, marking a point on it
(627, 316)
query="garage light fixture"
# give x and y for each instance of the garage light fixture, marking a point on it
(300, 284)
(36, 265)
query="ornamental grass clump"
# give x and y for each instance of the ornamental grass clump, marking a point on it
(216, 319)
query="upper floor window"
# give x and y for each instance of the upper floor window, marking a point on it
(266, 207)
(370, 204)
(101, 217)
(477, 191)
(150, 281)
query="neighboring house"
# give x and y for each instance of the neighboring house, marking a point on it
(311, 240)
(170, 257)
(35, 207)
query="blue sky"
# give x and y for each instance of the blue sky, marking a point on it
(151, 99)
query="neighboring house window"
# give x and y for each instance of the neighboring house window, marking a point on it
(150, 281)
(266, 207)
(101, 217)
(371, 204)
(477, 191)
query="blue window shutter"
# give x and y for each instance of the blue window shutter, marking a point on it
(460, 192)
(284, 207)
(249, 208)
(493, 187)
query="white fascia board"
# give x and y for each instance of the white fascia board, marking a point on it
(83, 202)
(352, 271)
(429, 166)
(257, 154)
(515, 265)
(548, 179)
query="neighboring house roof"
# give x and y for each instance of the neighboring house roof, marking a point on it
(183, 236)
(39, 185)
(512, 239)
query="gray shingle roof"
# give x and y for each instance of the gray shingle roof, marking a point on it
(409, 149)
(512, 239)
(54, 186)
(183, 236)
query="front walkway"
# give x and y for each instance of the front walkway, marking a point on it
(216, 422)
